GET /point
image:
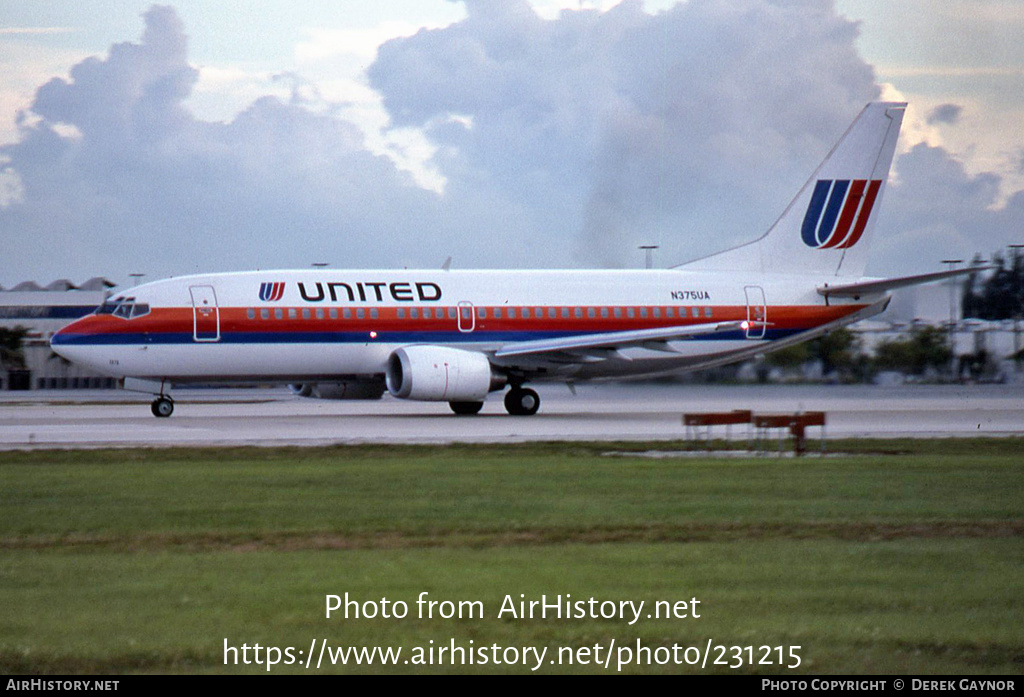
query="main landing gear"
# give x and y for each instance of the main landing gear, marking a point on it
(466, 408)
(522, 401)
(162, 407)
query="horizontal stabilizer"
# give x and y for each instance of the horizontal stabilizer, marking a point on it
(849, 290)
(614, 340)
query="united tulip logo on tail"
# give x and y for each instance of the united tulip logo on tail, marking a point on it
(838, 212)
(271, 292)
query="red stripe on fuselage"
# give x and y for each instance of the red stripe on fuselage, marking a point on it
(236, 320)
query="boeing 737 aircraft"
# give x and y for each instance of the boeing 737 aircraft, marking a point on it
(457, 336)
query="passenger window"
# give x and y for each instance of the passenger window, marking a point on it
(590, 313)
(578, 312)
(657, 313)
(401, 313)
(291, 313)
(373, 313)
(426, 313)
(264, 313)
(511, 313)
(360, 313)
(319, 313)
(707, 311)
(670, 312)
(346, 313)
(451, 313)
(278, 313)
(305, 313)
(414, 313)
(565, 313)
(497, 313)
(481, 313)
(250, 314)
(334, 313)
(604, 312)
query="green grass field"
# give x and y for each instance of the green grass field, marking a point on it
(902, 557)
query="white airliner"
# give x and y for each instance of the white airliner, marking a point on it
(456, 336)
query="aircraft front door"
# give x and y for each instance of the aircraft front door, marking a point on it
(757, 312)
(205, 314)
(467, 318)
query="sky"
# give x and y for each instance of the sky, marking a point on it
(167, 139)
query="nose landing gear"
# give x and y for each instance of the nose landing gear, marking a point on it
(162, 407)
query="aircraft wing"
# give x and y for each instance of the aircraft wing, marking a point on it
(649, 338)
(850, 290)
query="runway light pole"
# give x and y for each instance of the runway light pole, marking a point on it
(649, 251)
(951, 264)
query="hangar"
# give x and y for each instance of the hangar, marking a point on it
(32, 313)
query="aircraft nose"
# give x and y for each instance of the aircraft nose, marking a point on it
(60, 338)
(68, 342)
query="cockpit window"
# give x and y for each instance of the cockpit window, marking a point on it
(108, 306)
(123, 307)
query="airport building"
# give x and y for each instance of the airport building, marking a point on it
(41, 311)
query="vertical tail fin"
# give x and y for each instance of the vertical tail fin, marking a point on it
(828, 227)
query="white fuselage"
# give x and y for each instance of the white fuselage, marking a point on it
(320, 325)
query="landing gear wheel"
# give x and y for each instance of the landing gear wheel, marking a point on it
(522, 402)
(466, 408)
(162, 407)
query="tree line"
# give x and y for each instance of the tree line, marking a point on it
(998, 293)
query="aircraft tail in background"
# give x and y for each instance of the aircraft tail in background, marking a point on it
(827, 229)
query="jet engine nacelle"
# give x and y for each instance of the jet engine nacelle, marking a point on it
(440, 374)
(304, 389)
(370, 388)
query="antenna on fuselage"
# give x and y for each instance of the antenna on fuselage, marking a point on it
(447, 265)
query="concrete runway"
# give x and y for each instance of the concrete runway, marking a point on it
(72, 419)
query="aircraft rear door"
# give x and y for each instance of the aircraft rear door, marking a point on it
(757, 312)
(205, 313)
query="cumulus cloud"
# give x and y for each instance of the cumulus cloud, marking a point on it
(937, 210)
(945, 113)
(688, 128)
(113, 171)
(562, 142)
